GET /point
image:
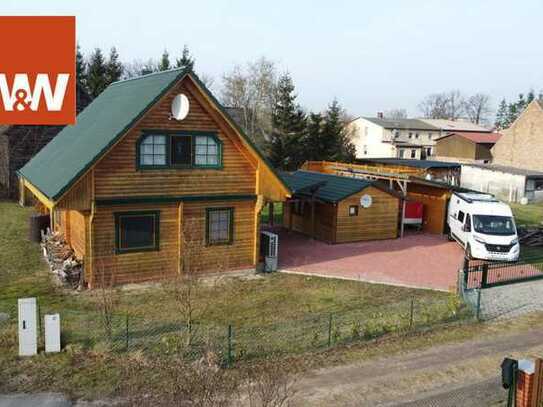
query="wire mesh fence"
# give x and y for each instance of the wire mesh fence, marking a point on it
(237, 341)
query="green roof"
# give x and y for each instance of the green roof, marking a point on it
(327, 187)
(76, 148)
(73, 151)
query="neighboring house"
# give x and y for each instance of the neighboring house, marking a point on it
(507, 183)
(522, 144)
(378, 137)
(140, 195)
(329, 208)
(18, 144)
(466, 147)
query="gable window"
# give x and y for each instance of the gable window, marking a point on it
(353, 210)
(179, 150)
(153, 150)
(219, 225)
(206, 151)
(136, 231)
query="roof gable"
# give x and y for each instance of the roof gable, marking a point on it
(105, 121)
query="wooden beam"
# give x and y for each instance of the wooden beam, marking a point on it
(39, 195)
(270, 213)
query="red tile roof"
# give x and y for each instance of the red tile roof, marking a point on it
(476, 137)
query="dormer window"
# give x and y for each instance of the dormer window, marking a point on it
(179, 150)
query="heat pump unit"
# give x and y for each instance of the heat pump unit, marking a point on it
(269, 248)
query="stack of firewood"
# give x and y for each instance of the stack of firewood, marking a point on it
(531, 236)
(62, 260)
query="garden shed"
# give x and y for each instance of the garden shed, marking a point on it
(339, 209)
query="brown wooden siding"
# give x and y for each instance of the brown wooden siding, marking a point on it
(116, 175)
(218, 258)
(79, 197)
(434, 202)
(334, 225)
(137, 266)
(76, 229)
(379, 221)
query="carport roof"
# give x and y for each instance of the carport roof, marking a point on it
(327, 187)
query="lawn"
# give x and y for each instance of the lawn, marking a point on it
(269, 314)
(527, 215)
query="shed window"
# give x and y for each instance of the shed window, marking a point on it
(153, 150)
(353, 210)
(206, 151)
(219, 223)
(136, 231)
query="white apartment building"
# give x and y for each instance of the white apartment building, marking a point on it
(378, 137)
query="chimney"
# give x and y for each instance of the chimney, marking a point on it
(380, 115)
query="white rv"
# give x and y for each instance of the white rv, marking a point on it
(484, 226)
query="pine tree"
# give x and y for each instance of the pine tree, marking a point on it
(164, 63)
(186, 60)
(80, 67)
(96, 73)
(314, 135)
(501, 115)
(512, 114)
(336, 144)
(114, 67)
(289, 127)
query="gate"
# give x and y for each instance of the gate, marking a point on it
(485, 274)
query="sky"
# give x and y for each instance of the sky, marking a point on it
(370, 55)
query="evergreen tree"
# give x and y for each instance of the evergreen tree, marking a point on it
(501, 115)
(80, 68)
(114, 67)
(289, 127)
(96, 73)
(164, 63)
(314, 137)
(512, 114)
(186, 60)
(336, 143)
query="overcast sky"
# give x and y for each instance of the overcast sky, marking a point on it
(370, 55)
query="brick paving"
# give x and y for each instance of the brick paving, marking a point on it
(418, 260)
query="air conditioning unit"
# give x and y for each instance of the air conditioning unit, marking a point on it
(269, 248)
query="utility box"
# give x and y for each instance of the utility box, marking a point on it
(28, 330)
(269, 249)
(52, 333)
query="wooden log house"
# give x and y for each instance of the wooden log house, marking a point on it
(140, 195)
(338, 209)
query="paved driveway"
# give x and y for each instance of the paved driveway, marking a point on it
(418, 260)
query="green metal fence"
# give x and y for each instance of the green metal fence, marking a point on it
(252, 339)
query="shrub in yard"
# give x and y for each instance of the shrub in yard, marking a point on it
(356, 330)
(372, 329)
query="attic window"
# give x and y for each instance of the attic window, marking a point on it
(184, 149)
(153, 150)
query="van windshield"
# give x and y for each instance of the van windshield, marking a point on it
(494, 225)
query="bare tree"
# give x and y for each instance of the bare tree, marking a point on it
(445, 105)
(252, 90)
(477, 108)
(396, 114)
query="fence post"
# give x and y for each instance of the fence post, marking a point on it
(229, 349)
(127, 337)
(330, 330)
(466, 271)
(478, 304)
(411, 313)
(40, 333)
(484, 278)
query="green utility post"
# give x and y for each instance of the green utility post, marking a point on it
(127, 332)
(229, 351)
(330, 330)
(411, 313)
(479, 304)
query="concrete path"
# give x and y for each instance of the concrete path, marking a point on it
(418, 260)
(35, 400)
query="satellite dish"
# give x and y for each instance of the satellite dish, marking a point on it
(180, 107)
(365, 201)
